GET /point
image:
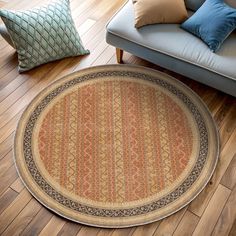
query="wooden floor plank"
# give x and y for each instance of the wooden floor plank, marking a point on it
(8, 78)
(215, 104)
(228, 124)
(17, 185)
(11, 111)
(17, 90)
(23, 219)
(9, 214)
(169, 224)
(90, 12)
(9, 128)
(187, 225)
(227, 109)
(80, 7)
(2, 3)
(7, 178)
(88, 231)
(105, 232)
(209, 218)
(50, 228)
(5, 163)
(7, 198)
(227, 217)
(69, 229)
(229, 177)
(6, 68)
(12, 86)
(148, 229)
(105, 57)
(9, 61)
(124, 231)
(200, 203)
(12, 101)
(38, 223)
(93, 56)
(20, 5)
(6, 145)
(233, 229)
(86, 26)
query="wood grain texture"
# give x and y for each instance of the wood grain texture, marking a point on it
(168, 225)
(119, 55)
(7, 198)
(229, 177)
(23, 219)
(227, 152)
(88, 231)
(148, 229)
(69, 229)
(11, 212)
(213, 211)
(20, 214)
(5, 163)
(226, 219)
(38, 223)
(17, 185)
(233, 229)
(6, 145)
(187, 225)
(124, 232)
(53, 227)
(105, 232)
(7, 178)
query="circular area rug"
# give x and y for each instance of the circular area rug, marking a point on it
(116, 146)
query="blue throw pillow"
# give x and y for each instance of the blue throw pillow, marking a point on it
(212, 22)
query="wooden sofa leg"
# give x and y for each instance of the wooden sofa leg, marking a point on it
(119, 55)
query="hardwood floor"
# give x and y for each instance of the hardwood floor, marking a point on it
(213, 212)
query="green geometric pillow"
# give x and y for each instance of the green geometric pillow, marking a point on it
(43, 34)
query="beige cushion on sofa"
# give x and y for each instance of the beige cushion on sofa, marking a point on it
(159, 11)
(231, 3)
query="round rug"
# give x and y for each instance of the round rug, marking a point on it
(116, 146)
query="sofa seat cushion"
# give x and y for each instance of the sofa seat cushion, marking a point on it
(171, 40)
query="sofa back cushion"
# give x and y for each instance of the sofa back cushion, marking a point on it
(195, 4)
(149, 12)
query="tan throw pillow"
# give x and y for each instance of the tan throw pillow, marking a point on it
(159, 11)
(231, 3)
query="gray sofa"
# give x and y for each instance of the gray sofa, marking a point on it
(170, 47)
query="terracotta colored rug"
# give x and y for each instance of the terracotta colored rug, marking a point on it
(116, 146)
